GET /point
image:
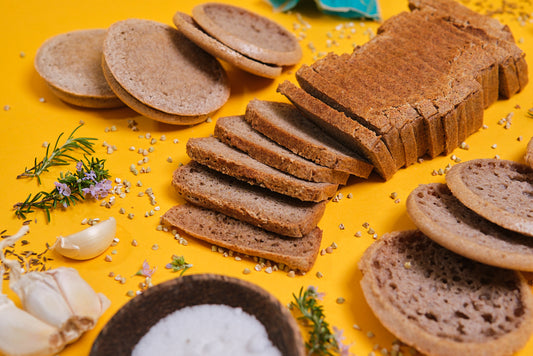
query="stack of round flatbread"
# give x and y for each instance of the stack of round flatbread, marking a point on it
(452, 287)
(245, 39)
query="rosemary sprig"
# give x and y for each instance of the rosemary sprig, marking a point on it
(178, 264)
(90, 177)
(59, 155)
(321, 340)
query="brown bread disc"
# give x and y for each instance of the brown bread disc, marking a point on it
(159, 73)
(248, 33)
(499, 190)
(70, 65)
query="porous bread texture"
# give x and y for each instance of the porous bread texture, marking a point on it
(444, 219)
(236, 132)
(225, 159)
(529, 153)
(351, 133)
(224, 231)
(441, 303)
(286, 125)
(70, 63)
(159, 68)
(193, 32)
(258, 206)
(422, 83)
(249, 33)
(499, 190)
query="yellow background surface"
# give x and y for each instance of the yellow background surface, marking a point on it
(27, 121)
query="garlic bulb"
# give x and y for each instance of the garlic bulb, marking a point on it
(88, 243)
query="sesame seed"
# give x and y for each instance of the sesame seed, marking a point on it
(134, 243)
(407, 265)
(155, 247)
(7, 107)
(246, 271)
(341, 226)
(356, 327)
(340, 300)
(108, 258)
(291, 274)
(319, 274)
(130, 294)
(358, 234)
(42, 100)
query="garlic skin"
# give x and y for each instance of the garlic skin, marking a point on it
(88, 243)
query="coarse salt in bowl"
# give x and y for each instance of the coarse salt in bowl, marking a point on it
(147, 311)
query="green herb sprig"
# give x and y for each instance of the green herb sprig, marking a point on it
(60, 155)
(90, 178)
(321, 340)
(178, 264)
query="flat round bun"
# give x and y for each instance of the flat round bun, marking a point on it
(70, 65)
(444, 304)
(249, 33)
(444, 219)
(499, 190)
(159, 73)
(192, 31)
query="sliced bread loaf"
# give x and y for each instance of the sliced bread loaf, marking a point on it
(215, 154)
(441, 217)
(224, 231)
(499, 190)
(258, 206)
(441, 303)
(286, 125)
(236, 132)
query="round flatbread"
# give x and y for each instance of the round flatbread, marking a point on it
(440, 216)
(499, 190)
(529, 153)
(249, 33)
(70, 65)
(192, 31)
(444, 304)
(159, 73)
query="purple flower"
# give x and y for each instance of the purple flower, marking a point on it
(90, 176)
(79, 166)
(99, 190)
(145, 270)
(314, 291)
(344, 350)
(63, 189)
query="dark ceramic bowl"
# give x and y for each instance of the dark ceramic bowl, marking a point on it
(124, 330)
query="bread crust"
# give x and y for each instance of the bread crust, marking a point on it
(529, 153)
(499, 190)
(399, 321)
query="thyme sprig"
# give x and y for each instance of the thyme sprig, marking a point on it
(60, 155)
(178, 264)
(321, 340)
(90, 178)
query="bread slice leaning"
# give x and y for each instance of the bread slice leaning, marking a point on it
(441, 303)
(216, 155)
(238, 236)
(258, 206)
(529, 153)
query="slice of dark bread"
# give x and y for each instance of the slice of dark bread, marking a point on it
(499, 190)
(224, 231)
(441, 303)
(444, 219)
(258, 206)
(216, 155)
(285, 124)
(236, 132)
(337, 124)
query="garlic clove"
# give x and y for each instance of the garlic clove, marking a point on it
(88, 243)
(86, 305)
(22, 334)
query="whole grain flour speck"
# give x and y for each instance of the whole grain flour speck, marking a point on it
(207, 330)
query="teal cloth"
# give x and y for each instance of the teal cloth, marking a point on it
(345, 8)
